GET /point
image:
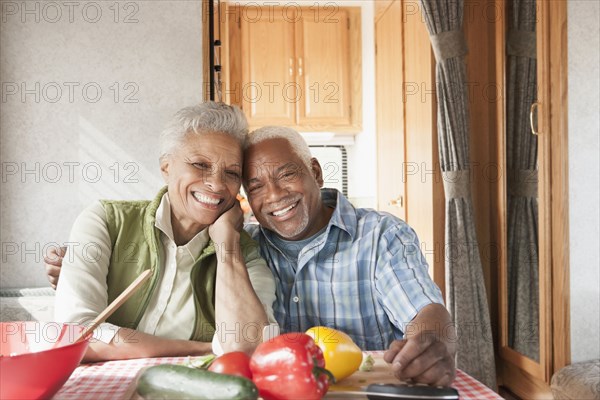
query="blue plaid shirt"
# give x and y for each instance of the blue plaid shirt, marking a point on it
(365, 275)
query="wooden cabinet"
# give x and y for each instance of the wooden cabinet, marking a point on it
(295, 66)
(493, 110)
(524, 375)
(269, 71)
(323, 71)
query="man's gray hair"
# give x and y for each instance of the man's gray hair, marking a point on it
(203, 118)
(296, 141)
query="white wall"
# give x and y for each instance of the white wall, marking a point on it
(584, 132)
(61, 149)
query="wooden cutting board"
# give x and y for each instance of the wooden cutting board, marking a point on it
(358, 381)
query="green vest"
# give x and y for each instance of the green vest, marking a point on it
(136, 247)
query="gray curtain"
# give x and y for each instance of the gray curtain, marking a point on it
(521, 157)
(465, 289)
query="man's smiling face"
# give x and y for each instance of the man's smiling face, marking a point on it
(283, 191)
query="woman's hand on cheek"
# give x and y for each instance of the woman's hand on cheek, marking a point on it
(228, 225)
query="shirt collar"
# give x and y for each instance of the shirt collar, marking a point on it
(163, 223)
(344, 214)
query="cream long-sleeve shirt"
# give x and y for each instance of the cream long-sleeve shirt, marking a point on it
(82, 291)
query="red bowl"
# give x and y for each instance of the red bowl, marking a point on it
(37, 358)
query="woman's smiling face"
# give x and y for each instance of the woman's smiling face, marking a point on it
(203, 176)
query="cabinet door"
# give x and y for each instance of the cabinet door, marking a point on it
(390, 116)
(323, 71)
(533, 288)
(268, 88)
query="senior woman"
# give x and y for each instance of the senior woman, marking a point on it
(208, 284)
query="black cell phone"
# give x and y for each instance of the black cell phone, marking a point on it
(386, 391)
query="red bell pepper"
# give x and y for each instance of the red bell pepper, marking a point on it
(290, 366)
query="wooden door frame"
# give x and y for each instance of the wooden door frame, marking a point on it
(552, 54)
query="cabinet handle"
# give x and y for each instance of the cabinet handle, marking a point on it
(300, 66)
(291, 66)
(531, 110)
(398, 202)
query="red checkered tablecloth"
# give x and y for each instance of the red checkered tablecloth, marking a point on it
(113, 380)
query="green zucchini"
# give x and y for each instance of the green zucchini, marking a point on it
(169, 381)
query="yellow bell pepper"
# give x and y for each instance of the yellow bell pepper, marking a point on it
(342, 355)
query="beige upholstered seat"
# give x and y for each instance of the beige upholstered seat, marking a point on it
(577, 381)
(27, 304)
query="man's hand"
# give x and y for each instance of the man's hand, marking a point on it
(53, 262)
(426, 354)
(422, 358)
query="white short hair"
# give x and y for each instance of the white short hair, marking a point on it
(203, 118)
(296, 141)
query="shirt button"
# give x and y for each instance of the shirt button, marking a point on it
(296, 299)
(180, 250)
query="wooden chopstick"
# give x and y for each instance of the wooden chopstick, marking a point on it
(112, 307)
